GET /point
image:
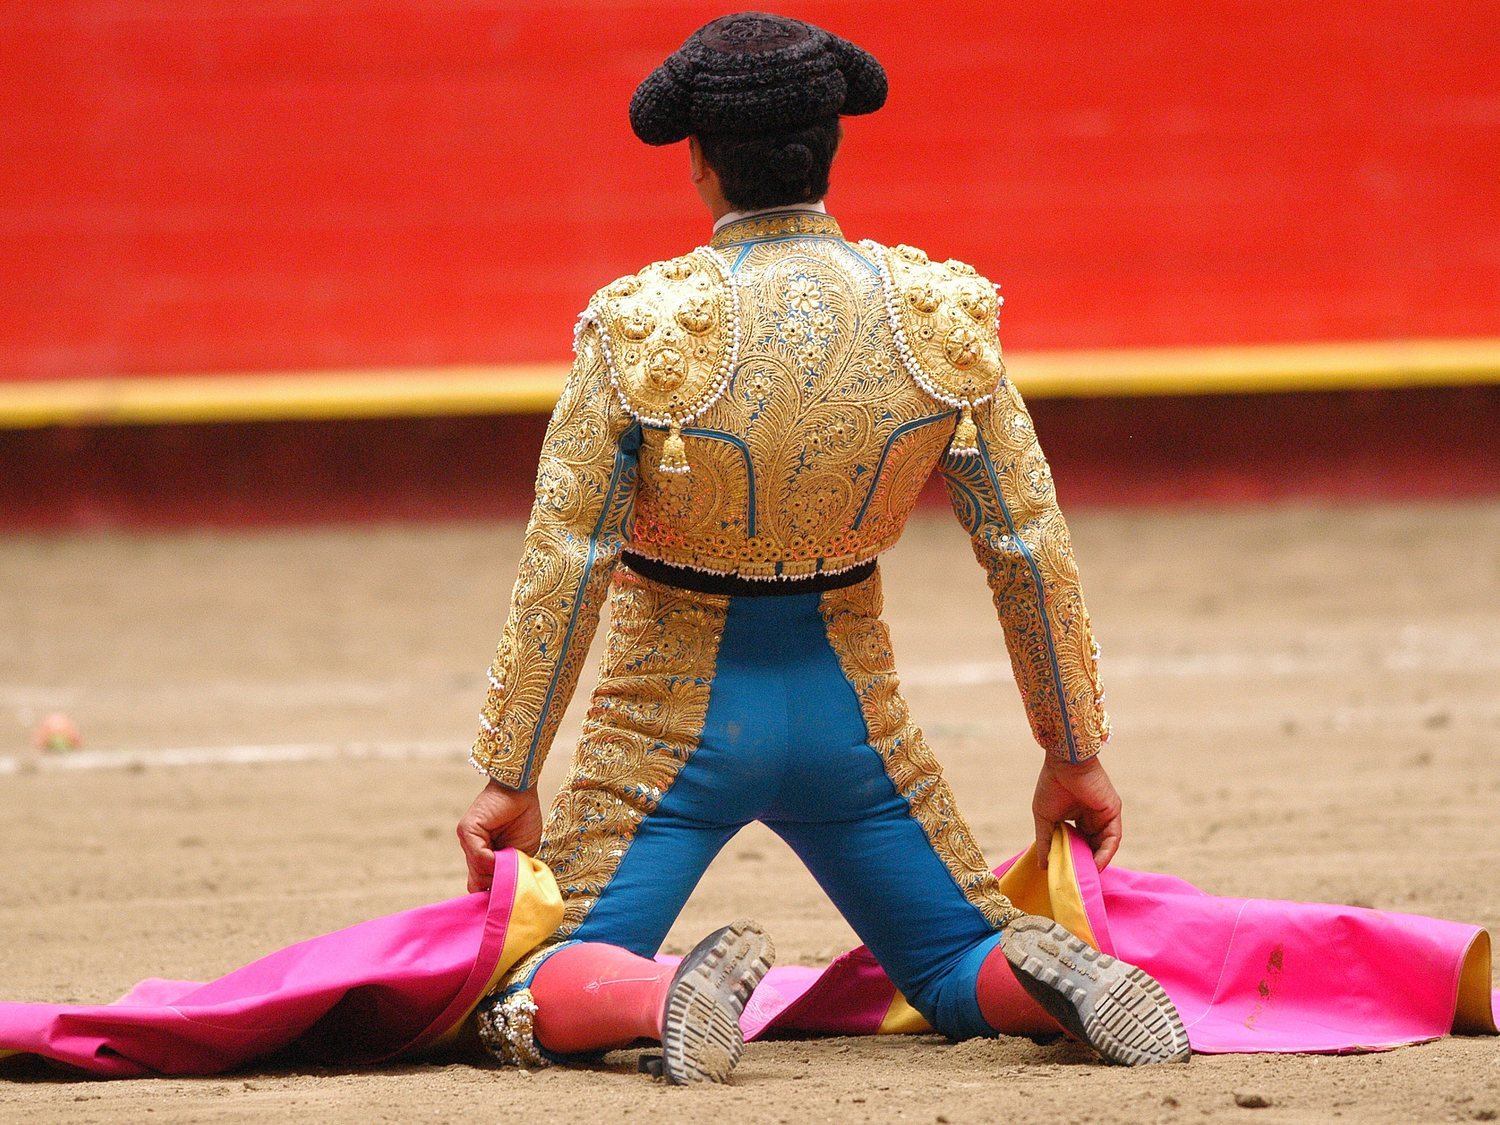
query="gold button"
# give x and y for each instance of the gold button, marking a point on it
(962, 347)
(666, 369)
(922, 297)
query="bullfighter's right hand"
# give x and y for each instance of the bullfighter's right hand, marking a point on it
(498, 818)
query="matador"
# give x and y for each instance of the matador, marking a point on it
(745, 429)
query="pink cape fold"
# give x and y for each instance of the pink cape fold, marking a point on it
(359, 995)
(1247, 975)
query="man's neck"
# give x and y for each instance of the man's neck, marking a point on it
(735, 216)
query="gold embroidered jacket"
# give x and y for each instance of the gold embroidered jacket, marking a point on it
(770, 406)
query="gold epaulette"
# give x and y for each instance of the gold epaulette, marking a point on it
(943, 316)
(670, 336)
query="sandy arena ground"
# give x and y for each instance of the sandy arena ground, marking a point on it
(1304, 698)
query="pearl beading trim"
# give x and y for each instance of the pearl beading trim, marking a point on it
(475, 763)
(765, 577)
(728, 364)
(507, 1030)
(903, 349)
(488, 728)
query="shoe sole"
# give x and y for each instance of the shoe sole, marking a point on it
(701, 1039)
(1117, 1009)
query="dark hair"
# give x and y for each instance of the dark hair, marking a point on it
(773, 169)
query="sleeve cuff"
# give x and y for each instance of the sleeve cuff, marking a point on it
(505, 778)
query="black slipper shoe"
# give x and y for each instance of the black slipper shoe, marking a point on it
(1117, 1009)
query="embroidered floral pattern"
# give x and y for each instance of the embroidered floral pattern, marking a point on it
(803, 294)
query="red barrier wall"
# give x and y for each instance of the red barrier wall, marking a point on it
(1184, 449)
(196, 185)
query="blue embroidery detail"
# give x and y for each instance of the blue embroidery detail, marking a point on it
(973, 519)
(869, 265)
(744, 448)
(806, 237)
(896, 435)
(1041, 593)
(623, 473)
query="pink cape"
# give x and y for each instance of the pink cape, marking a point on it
(397, 985)
(1247, 975)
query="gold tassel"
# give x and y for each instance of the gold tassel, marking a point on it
(674, 452)
(965, 435)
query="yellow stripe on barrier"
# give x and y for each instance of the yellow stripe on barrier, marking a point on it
(279, 396)
(1259, 368)
(533, 388)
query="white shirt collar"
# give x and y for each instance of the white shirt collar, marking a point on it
(736, 216)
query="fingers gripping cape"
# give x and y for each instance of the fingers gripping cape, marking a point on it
(1247, 975)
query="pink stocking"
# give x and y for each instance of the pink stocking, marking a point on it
(593, 997)
(1005, 1005)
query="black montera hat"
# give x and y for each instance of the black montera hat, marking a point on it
(755, 73)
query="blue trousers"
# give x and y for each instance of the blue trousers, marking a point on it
(785, 738)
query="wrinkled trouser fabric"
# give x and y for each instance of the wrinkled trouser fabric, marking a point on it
(714, 711)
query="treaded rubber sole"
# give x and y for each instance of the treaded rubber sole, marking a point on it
(701, 1039)
(1117, 1009)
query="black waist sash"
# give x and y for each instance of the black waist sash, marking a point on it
(735, 585)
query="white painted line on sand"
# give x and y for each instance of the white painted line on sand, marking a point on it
(1417, 650)
(227, 755)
